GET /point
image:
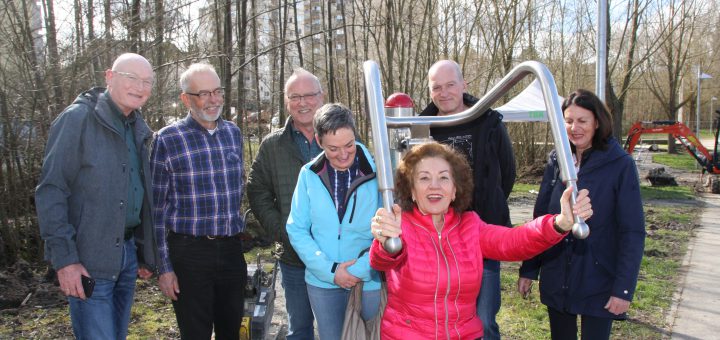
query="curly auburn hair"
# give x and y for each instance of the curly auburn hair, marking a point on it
(461, 173)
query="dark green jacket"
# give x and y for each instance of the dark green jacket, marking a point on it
(270, 187)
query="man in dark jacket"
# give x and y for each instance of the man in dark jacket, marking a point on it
(93, 199)
(271, 183)
(486, 144)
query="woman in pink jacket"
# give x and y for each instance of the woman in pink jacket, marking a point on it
(434, 281)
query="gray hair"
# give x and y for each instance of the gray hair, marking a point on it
(301, 72)
(332, 117)
(192, 70)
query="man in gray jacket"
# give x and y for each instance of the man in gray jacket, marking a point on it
(93, 199)
(271, 183)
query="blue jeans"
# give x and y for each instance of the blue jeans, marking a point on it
(106, 314)
(488, 303)
(329, 306)
(297, 303)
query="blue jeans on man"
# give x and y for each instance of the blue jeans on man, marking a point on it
(488, 303)
(106, 314)
(297, 303)
(329, 306)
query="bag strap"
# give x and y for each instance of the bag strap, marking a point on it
(362, 252)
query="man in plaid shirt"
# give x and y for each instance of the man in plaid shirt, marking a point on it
(198, 181)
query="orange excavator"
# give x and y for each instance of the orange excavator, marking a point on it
(709, 162)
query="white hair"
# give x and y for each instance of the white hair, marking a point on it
(298, 72)
(192, 70)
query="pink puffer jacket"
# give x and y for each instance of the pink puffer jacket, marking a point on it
(433, 283)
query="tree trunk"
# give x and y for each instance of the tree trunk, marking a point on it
(227, 58)
(134, 26)
(241, 7)
(95, 63)
(159, 46)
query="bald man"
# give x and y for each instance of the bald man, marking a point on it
(93, 199)
(487, 146)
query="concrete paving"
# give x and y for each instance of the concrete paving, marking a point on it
(696, 310)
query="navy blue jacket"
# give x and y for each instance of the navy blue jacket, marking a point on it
(579, 276)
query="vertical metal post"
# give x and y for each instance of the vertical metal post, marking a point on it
(601, 57)
(697, 104)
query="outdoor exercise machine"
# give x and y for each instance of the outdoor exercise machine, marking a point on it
(408, 130)
(259, 298)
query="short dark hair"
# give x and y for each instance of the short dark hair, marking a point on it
(331, 117)
(461, 174)
(589, 101)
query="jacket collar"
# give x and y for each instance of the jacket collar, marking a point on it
(595, 158)
(102, 107)
(320, 164)
(425, 222)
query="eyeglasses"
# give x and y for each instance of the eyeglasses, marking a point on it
(218, 92)
(135, 80)
(296, 98)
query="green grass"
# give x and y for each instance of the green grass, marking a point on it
(667, 193)
(706, 133)
(524, 190)
(680, 161)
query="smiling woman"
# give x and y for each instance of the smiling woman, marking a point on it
(341, 179)
(441, 263)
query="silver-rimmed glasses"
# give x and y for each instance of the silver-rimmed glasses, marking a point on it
(296, 98)
(137, 81)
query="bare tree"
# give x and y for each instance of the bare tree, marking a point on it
(666, 69)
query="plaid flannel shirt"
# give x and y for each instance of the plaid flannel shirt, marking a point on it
(198, 180)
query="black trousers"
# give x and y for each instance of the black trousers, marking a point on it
(211, 274)
(563, 326)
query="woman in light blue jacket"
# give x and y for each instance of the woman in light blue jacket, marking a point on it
(329, 223)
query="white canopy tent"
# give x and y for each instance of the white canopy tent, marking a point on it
(528, 106)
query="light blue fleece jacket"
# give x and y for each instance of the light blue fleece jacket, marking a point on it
(316, 233)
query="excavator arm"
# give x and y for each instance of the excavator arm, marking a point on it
(682, 134)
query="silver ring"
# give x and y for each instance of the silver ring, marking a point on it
(379, 232)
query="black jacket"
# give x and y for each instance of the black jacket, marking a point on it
(486, 144)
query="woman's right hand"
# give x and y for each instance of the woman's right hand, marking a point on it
(386, 224)
(524, 286)
(582, 208)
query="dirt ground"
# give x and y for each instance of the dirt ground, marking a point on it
(32, 307)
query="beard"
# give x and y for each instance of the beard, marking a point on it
(209, 117)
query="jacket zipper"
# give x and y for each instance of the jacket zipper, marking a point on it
(447, 288)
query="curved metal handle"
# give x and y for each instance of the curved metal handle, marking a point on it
(580, 229)
(376, 108)
(552, 104)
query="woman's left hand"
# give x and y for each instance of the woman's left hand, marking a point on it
(582, 208)
(617, 305)
(343, 278)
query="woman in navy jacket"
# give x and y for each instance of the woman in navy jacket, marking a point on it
(595, 277)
